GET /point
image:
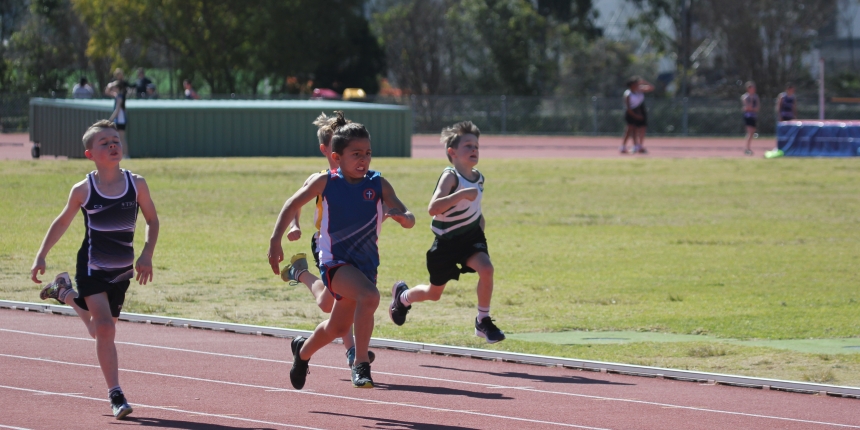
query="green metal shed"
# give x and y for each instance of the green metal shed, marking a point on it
(216, 128)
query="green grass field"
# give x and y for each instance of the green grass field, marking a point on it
(730, 248)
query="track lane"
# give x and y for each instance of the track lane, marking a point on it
(452, 386)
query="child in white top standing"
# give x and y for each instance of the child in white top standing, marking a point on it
(458, 223)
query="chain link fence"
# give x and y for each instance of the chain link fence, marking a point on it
(596, 116)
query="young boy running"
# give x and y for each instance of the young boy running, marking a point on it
(352, 215)
(459, 227)
(109, 199)
(297, 269)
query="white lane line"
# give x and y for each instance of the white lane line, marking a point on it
(163, 408)
(311, 393)
(13, 428)
(491, 386)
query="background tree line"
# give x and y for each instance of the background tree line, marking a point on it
(438, 47)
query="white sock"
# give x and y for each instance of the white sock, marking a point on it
(404, 298)
(113, 390)
(483, 313)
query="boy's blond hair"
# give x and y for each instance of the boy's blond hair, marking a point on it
(96, 129)
(324, 132)
(451, 135)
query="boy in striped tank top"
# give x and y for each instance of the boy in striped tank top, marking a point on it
(460, 245)
(351, 219)
(109, 199)
(297, 269)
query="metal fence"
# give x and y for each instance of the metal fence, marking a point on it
(542, 115)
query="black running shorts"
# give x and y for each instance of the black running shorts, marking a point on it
(89, 286)
(445, 255)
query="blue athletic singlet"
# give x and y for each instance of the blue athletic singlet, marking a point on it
(786, 106)
(107, 252)
(350, 221)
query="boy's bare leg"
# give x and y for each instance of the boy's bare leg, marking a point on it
(324, 299)
(480, 262)
(85, 315)
(641, 131)
(627, 133)
(422, 293)
(360, 300)
(750, 133)
(105, 327)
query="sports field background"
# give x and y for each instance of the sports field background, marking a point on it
(735, 248)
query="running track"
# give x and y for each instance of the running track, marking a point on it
(200, 379)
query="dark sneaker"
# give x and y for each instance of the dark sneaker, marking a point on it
(299, 371)
(291, 272)
(119, 406)
(57, 289)
(361, 376)
(397, 311)
(350, 356)
(486, 329)
(748, 152)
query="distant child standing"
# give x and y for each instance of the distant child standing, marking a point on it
(635, 114)
(297, 269)
(352, 216)
(458, 224)
(109, 199)
(786, 104)
(751, 106)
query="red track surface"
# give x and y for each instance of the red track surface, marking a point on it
(17, 146)
(185, 378)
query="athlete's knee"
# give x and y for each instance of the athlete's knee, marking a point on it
(486, 270)
(104, 328)
(369, 297)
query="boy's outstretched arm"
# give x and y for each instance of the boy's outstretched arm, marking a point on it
(396, 209)
(58, 228)
(442, 201)
(295, 230)
(306, 193)
(147, 208)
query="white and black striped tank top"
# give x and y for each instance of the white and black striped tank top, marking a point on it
(465, 215)
(107, 252)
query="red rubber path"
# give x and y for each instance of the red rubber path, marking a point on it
(199, 379)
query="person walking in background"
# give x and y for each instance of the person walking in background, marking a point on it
(118, 81)
(141, 84)
(190, 94)
(119, 116)
(751, 105)
(83, 90)
(110, 198)
(786, 104)
(635, 114)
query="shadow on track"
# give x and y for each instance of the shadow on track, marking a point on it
(384, 423)
(177, 424)
(442, 391)
(535, 378)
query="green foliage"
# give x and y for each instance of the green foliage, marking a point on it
(234, 45)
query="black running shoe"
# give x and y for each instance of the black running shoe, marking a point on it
(350, 356)
(299, 371)
(361, 376)
(119, 406)
(486, 329)
(397, 311)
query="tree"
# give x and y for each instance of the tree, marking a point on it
(233, 45)
(47, 49)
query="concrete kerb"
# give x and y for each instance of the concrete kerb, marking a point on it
(427, 348)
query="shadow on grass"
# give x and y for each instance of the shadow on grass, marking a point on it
(390, 423)
(535, 378)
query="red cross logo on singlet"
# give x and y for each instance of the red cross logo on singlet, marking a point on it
(369, 194)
